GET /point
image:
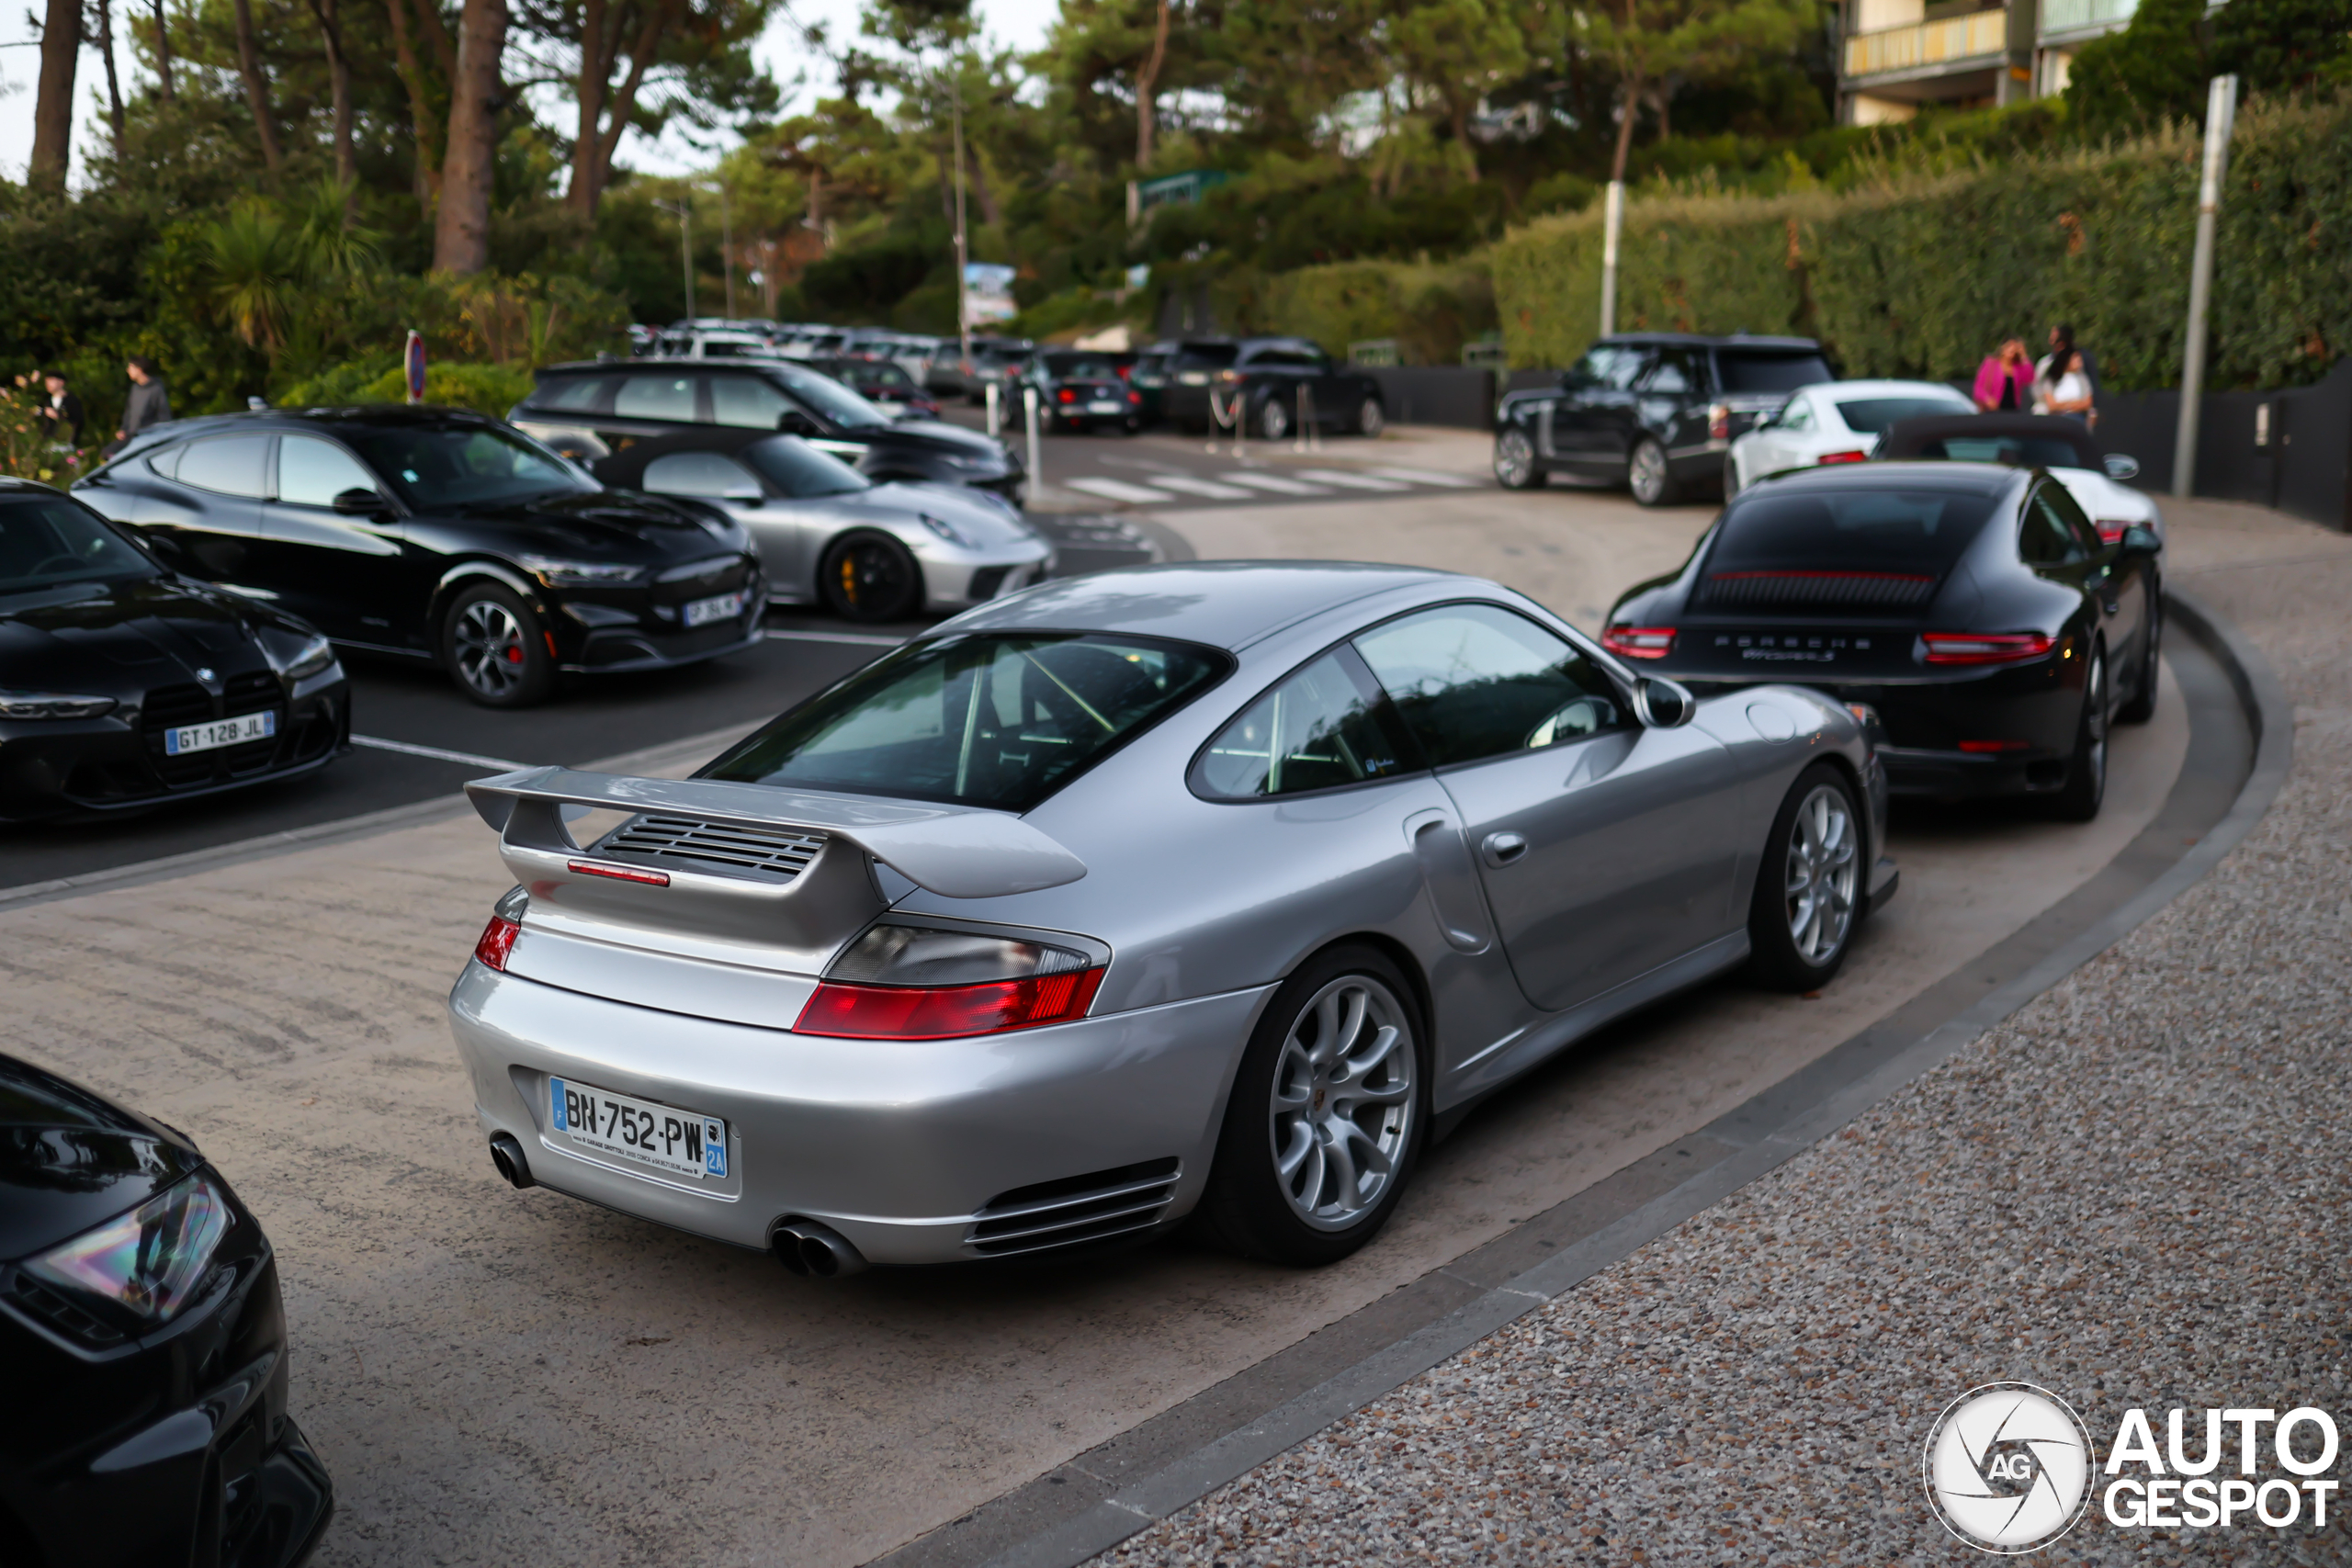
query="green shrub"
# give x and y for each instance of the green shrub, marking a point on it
(1431, 309)
(486, 389)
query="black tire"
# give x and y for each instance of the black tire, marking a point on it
(2086, 788)
(1371, 417)
(1650, 476)
(2142, 706)
(1515, 464)
(1246, 1206)
(867, 576)
(1273, 419)
(1786, 950)
(494, 648)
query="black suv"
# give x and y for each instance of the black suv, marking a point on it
(591, 410)
(1269, 374)
(1653, 411)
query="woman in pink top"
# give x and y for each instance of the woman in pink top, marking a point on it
(2005, 382)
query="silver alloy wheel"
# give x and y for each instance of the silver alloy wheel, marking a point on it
(1273, 420)
(1514, 459)
(1824, 866)
(1343, 1102)
(1371, 418)
(491, 653)
(1647, 475)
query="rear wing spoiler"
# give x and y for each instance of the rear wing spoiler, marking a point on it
(954, 851)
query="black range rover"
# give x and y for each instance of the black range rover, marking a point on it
(1655, 412)
(592, 410)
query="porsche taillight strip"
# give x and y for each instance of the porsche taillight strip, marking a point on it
(1983, 648)
(619, 872)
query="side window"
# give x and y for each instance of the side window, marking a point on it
(700, 473)
(749, 402)
(1476, 680)
(1677, 372)
(1798, 415)
(656, 397)
(1327, 726)
(2045, 538)
(1626, 369)
(2060, 501)
(573, 394)
(165, 461)
(311, 472)
(232, 465)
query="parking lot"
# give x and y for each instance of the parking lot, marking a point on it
(493, 1374)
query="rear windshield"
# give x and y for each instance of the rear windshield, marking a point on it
(1081, 367)
(802, 472)
(1205, 355)
(1746, 371)
(998, 721)
(1904, 531)
(2016, 451)
(1873, 415)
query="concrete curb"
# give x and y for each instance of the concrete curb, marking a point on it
(1144, 1501)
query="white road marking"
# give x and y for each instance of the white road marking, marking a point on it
(1347, 480)
(1117, 490)
(777, 634)
(1193, 486)
(1429, 477)
(1276, 483)
(470, 759)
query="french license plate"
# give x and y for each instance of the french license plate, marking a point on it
(660, 1136)
(718, 607)
(1106, 408)
(224, 732)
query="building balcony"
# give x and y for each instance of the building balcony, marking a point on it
(1976, 39)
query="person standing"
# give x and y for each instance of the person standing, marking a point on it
(2069, 395)
(2005, 382)
(150, 403)
(64, 411)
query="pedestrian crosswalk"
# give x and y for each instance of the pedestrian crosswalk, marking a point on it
(1153, 488)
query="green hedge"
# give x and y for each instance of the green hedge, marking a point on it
(1923, 275)
(486, 389)
(1431, 309)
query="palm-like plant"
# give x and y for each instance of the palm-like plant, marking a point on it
(253, 258)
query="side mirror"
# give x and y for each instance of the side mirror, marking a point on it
(2140, 540)
(1661, 703)
(792, 421)
(2119, 467)
(165, 548)
(359, 503)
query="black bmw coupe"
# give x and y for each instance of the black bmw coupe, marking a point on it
(125, 684)
(1975, 608)
(441, 536)
(142, 1349)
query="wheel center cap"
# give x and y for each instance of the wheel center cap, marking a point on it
(1320, 1090)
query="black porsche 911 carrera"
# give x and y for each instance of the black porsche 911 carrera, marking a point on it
(125, 684)
(442, 535)
(142, 1349)
(1974, 607)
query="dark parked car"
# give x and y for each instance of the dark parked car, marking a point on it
(592, 410)
(124, 683)
(1081, 389)
(1974, 607)
(1150, 375)
(142, 1349)
(1655, 412)
(882, 382)
(444, 536)
(1269, 374)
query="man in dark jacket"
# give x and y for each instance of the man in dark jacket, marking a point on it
(150, 403)
(65, 410)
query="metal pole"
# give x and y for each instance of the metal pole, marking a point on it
(727, 246)
(962, 243)
(1036, 451)
(996, 419)
(1612, 225)
(2220, 115)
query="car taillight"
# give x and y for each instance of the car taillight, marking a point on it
(505, 924)
(2112, 529)
(1134, 397)
(1980, 747)
(1718, 422)
(1228, 375)
(925, 983)
(1066, 395)
(1982, 647)
(1843, 458)
(1638, 642)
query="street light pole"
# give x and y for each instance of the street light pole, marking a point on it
(684, 208)
(963, 244)
(2220, 115)
(727, 245)
(1613, 219)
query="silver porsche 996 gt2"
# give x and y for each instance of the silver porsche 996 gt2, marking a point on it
(1189, 890)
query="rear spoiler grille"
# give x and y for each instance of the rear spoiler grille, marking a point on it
(764, 854)
(1824, 590)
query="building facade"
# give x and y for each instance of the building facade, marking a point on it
(1899, 54)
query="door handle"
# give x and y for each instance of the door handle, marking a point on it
(1502, 849)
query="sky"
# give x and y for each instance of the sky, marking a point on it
(1018, 25)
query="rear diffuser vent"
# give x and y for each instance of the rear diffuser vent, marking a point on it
(722, 849)
(1818, 591)
(1075, 1210)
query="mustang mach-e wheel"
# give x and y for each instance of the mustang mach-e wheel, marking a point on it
(2085, 787)
(1809, 887)
(1515, 461)
(496, 650)
(1273, 420)
(1326, 1116)
(2142, 706)
(870, 577)
(1649, 478)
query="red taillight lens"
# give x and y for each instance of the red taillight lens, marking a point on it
(1843, 458)
(944, 1012)
(1066, 395)
(1134, 397)
(1638, 642)
(619, 872)
(1980, 747)
(497, 942)
(2112, 529)
(1982, 647)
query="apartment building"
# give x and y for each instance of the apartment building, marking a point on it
(1899, 54)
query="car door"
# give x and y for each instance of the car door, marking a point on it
(754, 403)
(344, 572)
(2107, 578)
(1606, 849)
(649, 403)
(212, 513)
(1671, 401)
(787, 533)
(1593, 426)
(1333, 390)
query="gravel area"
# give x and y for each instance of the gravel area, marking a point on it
(2132, 1193)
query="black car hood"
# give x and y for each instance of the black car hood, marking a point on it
(610, 524)
(932, 435)
(129, 634)
(71, 1159)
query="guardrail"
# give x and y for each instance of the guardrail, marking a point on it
(1930, 43)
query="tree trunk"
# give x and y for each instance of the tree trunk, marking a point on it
(1629, 97)
(256, 87)
(347, 162)
(423, 120)
(60, 53)
(595, 76)
(162, 55)
(1457, 114)
(461, 227)
(592, 157)
(114, 83)
(990, 213)
(1146, 80)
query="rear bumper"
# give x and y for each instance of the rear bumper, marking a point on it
(1962, 775)
(900, 1146)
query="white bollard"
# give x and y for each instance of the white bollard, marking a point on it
(995, 422)
(1036, 450)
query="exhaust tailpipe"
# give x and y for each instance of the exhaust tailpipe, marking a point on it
(814, 1251)
(507, 1156)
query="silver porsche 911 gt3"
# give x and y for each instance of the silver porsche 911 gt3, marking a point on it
(1188, 890)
